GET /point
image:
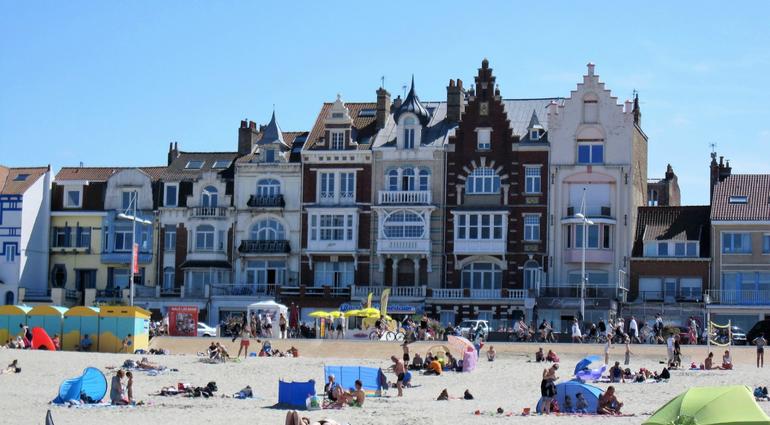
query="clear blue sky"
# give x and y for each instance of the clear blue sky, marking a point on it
(112, 83)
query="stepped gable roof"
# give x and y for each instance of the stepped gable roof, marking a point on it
(679, 223)
(364, 125)
(104, 173)
(412, 104)
(756, 189)
(16, 181)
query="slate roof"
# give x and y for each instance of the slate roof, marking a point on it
(435, 133)
(176, 171)
(364, 127)
(103, 173)
(680, 223)
(289, 138)
(412, 104)
(10, 186)
(272, 134)
(520, 113)
(754, 186)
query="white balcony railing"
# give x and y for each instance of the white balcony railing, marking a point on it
(479, 246)
(517, 294)
(448, 293)
(725, 297)
(361, 292)
(210, 212)
(485, 294)
(386, 246)
(405, 197)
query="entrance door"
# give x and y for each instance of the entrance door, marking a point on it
(405, 273)
(272, 275)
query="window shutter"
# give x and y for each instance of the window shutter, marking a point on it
(110, 278)
(78, 232)
(67, 232)
(53, 237)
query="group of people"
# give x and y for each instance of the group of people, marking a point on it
(540, 356)
(727, 362)
(608, 403)
(339, 397)
(122, 393)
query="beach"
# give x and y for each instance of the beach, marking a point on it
(511, 382)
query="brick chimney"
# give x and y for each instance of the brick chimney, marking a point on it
(719, 171)
(173, 152)
(383, 107)
(455, 106)
(247, 135)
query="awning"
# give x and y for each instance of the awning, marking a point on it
(206, 264)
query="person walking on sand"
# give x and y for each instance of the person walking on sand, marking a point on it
(760, 342)
(633, 330)
(400, 371)
(577, 336)
(607, 347)
(670, 349)
(245, 332)
(282, 326)
(628, 351)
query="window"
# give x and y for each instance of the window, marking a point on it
(531, 179)
(60, 236)
(194, 164)
(204, 237)
(127, 198)
(332, 227)
(171, 198)
(221, 163)
(424, 179)
(169, 238)
(739, 199)
(483, 180)
(404, 224)
(347, 186)
(393, 180)
(20, 177)
(766, 244)
(336, 274)
(607, 237)
(653, 198)
(484, 138)
(84, 237)
(692, 249)
(262, 273)
(72, 198)
(599, 278)
(531, 228)
(410, 131)
(367, 112)
(531, 275)
(534, 134)
(690, 288)
(663, 249)
(209, 197)
(123, 240)
(479, 226)
(268, 187)
(592, 237)
(10, 253)
(268, 230)
(327, 186)
(120, 278)
(590, 153)
(168, 278)
(736, 243)
(407, 179)
(679, 249)
(482, 276)
(338, 140)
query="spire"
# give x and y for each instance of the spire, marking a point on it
(412, 104)
(637, 112)
(534, 123)
(272, 133)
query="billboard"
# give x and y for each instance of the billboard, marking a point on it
(182, 320)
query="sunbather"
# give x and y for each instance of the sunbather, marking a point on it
(727, 361)
(491, 353)
(609, 403)
(146, 364)
(12, 368)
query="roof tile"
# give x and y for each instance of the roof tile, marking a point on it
(756, 187)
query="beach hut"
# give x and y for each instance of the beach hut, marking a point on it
(10, 318)
(117, 323)
(80, 321)
(48, 317)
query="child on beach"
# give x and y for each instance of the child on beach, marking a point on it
(628, 351)
(491, 354)
(581, 404)
(568, 404)
(539, 355)
(130, 386)
(727, 361)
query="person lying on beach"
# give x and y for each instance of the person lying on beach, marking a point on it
(12, 368)
(760, 394)
(117, 394)
(491, 353)
(539, 355)
(609, 403)
(727, 361)
(355, 398)
(146, 364)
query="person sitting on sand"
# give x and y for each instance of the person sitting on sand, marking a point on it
(491, 354)
(434, 368)
(428, 359)
(727, 361)
(355, 398)
(12, 368)
(293, 351)
(85, 343)
(223, 354)
(552, 357)
(568, 408)
(708, 364)
(609, 403)
(332, 389)
(450, 363)
(616, 373)
(539, 355)
(267, 349)
(117, 395)
(760, 394)
(581, 405)
(125, 345)
(416, 362)
(213, 351)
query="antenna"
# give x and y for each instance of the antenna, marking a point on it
(382, 82)
(634, 93)
(403, 88)
(713, 146)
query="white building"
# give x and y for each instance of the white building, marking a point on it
(24, 221)
(598, 153)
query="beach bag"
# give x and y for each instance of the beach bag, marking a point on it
(313, 403)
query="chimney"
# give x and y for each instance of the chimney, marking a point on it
(455, 106)
(173, 152)
(719, 171)
(383, 107)
(247, 135)
(637, 111)
(590, 67)
(629, 104)
(397, 102)
(553, 108)
(669, 172)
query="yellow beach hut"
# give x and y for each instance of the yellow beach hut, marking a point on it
(50, 318)
(78, 322)
(10, 318)
(117, 323)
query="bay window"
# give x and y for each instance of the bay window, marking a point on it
(479, 226)
(483, 180)
(331, 227)
(404, 225)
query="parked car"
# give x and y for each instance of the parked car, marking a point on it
(477, 327)
(761, 327)
(205, 330)
(739, 336)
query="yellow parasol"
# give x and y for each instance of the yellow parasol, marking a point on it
(336, 314)
(319, 314)
(353, 313)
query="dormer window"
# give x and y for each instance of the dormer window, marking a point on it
(483, 139)
(338, 140)
(221, 163)
(739, 199)
(270, 155)
(534, 134)
(409, 132)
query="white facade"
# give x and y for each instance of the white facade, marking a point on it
(598, 153)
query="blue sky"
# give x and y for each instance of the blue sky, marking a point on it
(112, 83)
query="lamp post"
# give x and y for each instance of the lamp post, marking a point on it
(586, 222)
(134, 246)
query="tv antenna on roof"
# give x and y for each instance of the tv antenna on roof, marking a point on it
(713, 147)
(382, 82)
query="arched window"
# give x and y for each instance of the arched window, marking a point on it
(531, 275)
(209, 197)
(424, 183)
(59, 276)
(204, 237)
(410, 132)
(404, 225)
(268, 187)
(653, 201)
(9, 298)
(407, 179)
(483, 180)
(482, 276)
(393, 179)
(268, 229)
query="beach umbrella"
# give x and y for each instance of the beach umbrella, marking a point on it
(370, 312)
(353, 313)
(294, 316)
(460, 343)
(733, 404)
(336, 314)
(583, 364)
(319, 314)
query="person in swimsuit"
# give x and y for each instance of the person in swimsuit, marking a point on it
(760, 342)
(616, 373)
(355, 398)
(548, 387)
(117, 395)
(245, 332)
(400, 371)
(609, 403)
(405, 347)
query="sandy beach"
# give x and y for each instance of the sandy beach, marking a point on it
(511, 382)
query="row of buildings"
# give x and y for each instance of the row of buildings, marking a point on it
(470, 206)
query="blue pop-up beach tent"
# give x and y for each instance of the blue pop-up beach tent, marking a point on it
(91, 384)
(294, 394)
(372, 379)
(572, 388)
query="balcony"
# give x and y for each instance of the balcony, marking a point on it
(667, 298)
(604, 211)
(403, 246)
(362, 292)
(477, 247)
(209, 212)
(405, 197)
(314, 291)
(572, 290)
(268, 201)
(740, 298)
(341, 247)
(593, 255)
(478, 294)
(250, 246)
(242, 290)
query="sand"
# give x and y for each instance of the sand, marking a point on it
(511, 382)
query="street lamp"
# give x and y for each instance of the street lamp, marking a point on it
(586, 222)
(134, 246)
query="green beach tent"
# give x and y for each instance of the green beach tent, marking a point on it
(711, 406)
